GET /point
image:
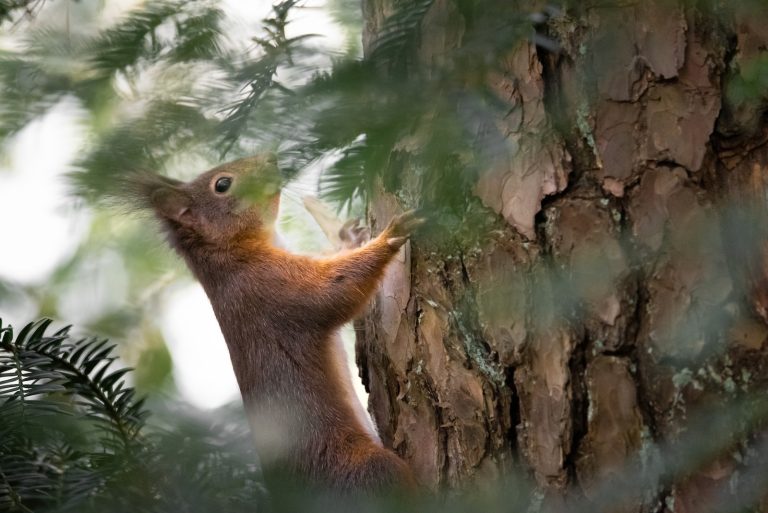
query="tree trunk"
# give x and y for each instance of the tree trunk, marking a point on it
(622, 297)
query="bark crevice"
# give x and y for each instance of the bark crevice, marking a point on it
(615, 300)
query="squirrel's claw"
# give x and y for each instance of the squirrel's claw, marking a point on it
(401, 226)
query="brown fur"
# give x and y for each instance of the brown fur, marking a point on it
(278, 313)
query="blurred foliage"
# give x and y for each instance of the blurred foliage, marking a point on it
(752, 82)
(208, 101)
(73, 437)
(10, 9)
(349, 16)
(69, 425)
(164, 86)
(164, 89)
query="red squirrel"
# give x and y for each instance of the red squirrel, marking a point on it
(280, 314)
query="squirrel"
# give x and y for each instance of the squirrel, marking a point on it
(280, 314)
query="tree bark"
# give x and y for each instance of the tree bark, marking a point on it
(622, 294)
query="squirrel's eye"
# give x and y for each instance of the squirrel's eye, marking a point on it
(223, 184)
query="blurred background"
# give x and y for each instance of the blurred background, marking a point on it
(582, 324)
(109, 272)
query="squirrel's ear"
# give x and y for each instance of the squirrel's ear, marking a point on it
(174, 205)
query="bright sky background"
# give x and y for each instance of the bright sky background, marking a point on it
(34, 201)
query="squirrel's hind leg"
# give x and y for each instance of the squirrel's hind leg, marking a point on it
(382, 472)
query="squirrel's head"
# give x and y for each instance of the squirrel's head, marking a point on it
(221, 207)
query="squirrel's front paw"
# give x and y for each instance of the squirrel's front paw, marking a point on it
(400, 228)
(352, 235)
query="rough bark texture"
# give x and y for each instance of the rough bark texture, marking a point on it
(626, 290)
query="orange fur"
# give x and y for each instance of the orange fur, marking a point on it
(279, 314)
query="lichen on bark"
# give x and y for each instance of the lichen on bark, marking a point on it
(621, 288)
